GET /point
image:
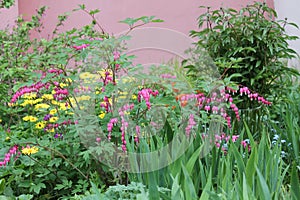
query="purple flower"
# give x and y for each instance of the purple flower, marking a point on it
(47, 117)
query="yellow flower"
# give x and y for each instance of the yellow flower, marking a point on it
(29, 96)
(62, 85)
(122, 95)
(53, 111)
(69, 113)
(30, 150)
(11, 104)
(86, 75)
(40, 125)
(103, 71)
(69, 80)
(7, 138)
(54, 102)
(47, 96)
(33, 119)
(41, 105)
(62, 106)
(133, 97)
(102, 115)
(53, 119)
(23, 104)
(0, 120)
(50, 130)
(26, 118)
(72, 101)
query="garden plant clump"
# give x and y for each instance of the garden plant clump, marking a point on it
(79, 121)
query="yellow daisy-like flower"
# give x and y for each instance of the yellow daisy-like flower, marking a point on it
(53, 119)
(54, 102)
(102, 115)
(62, 106)
(53, 111)
(30, 150)
(23, 104)
(41, 106)
(86, 75)
(62, 85)
(11, 104)
(103, 71)
(27, 102)
(122, 95)
(83, 98)
(50, 130)
(33, 119)
(133, 97)
(47, 96)
(69, 113)
(69, 80)
(72, 100)
(26, 118)
(40, 125)
(29, 96)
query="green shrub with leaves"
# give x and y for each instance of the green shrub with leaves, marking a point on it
(248, 42)
(7, 3)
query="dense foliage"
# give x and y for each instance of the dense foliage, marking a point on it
(79, 121)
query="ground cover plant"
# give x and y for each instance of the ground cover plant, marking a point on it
(79, 121)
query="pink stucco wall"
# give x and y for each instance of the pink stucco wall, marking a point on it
(178, 14)
(149, 45)
(8, 16)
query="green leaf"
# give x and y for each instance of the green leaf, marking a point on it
(128, 21)
(250, 167)
(264, 189)
(205, 194)
(153, 190)
(189, 188)
(190, 164)
(176, 192)
(245, 188)
(157, 20)
(238, 158)
(295, 185)
(2, 186)
(24, 197)
(93, 12)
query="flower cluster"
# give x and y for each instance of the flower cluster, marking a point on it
(110, 125)
(116, 55)
(251, 95)
(145, 94)
(246, 145)
(60, 94)
(7, 158)
(191, 124)
(80, 47)
(138, 133)
(29, 150)
(215, 103)
(124, 123)
(28, 89)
